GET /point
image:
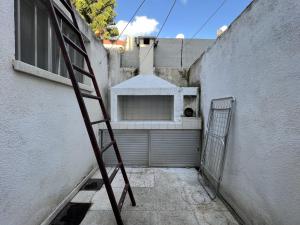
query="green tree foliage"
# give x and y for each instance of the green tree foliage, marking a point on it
(100, 14)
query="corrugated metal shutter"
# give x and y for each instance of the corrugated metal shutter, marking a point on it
(133, 146)
(176, 148)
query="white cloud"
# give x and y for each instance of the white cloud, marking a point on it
(180, 36)
(141, 25)
(184, 2)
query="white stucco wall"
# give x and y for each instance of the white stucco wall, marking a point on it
(146, 58)
(44, 148)
(170, 51)
(166, 59)
(257, 62)
(167, 53)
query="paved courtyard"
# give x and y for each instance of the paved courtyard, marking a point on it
(163, 196)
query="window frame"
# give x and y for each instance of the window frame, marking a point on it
(50, 32)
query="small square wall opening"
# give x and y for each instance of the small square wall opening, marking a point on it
(146, 41)
(145, 108)
(190, 102)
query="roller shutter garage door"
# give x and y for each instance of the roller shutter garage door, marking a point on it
(161, 148)
(174, 148)
(133, 146)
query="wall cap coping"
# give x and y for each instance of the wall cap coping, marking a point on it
(187, 123)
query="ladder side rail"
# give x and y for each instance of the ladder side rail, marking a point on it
(84, 112)
(105, 114)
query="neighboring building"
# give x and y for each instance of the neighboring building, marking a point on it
(170, 59)
(117, 44)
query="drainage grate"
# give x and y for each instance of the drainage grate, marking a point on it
(92, 185)
(72, 214)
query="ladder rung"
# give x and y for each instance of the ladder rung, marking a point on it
(98, 121)
(70, 42)
(121, 201)
(90, 96)
(112, 176)
(82, 71)
(64, 15)
(67, 6)
(65, 19)
(107, 147)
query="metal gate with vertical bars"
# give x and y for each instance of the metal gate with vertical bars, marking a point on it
(214, 148)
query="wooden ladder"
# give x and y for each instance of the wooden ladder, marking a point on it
(56, 13)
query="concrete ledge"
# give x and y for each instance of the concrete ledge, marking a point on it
(187, 123)
(69, 197)
(37, 72)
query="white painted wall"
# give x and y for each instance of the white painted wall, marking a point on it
(257, 61)
(165, 57)
(168, 52)
(146, 58)
(44, 148)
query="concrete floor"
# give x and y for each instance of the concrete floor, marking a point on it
(163, 196)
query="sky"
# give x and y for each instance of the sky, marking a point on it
(185, 19)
